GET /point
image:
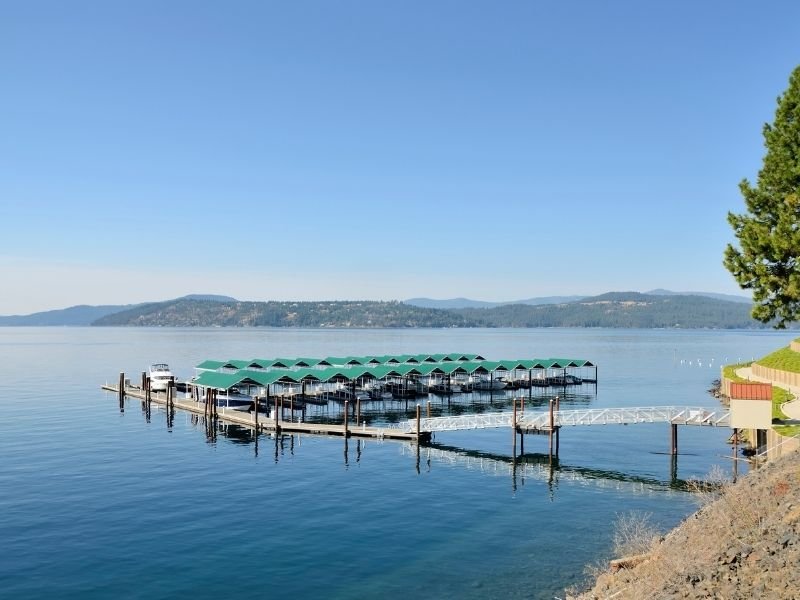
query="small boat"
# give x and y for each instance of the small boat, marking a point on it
(564, 380)
(345, 394)
(484, 385)
(234, 398)
(443, 388)
(160, 376)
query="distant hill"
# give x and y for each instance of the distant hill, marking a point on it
(210, 297)
(83, 314)
(614, 309)
(467, 303)
(728, 297)
(664, 309)
(185, 312)
(621, 309)
(74, 316)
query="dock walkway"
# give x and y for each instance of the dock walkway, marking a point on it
(530, 422)
(262, 422)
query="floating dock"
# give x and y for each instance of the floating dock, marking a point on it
(261, 421)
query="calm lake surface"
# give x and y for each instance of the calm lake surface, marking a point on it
(98, 503)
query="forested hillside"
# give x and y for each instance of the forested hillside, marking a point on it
(616, 309)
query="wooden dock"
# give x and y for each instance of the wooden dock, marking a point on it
(263, 422)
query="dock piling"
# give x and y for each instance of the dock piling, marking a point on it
(558, 428)
(121, 386)
(674, 448)
(346, 432)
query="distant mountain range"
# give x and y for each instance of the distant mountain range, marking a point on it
(662, 309)
(83, 315)
(468, 303)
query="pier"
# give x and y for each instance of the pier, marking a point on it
(261, 421)
(421, 429)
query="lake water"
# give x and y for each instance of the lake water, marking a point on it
(98, 503)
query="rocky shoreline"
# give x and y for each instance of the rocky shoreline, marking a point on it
(743, 543)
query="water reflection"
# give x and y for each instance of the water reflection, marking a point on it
(519, 467)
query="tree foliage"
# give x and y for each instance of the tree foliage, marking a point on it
(766, 260)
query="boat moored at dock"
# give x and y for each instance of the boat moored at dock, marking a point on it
(160, 377)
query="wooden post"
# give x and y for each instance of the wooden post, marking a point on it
(346, 403)
(514, 423)
(147, 390)
(277, 424)
(674, 449)
(291, 407)
(419, 410)
(551, 428)
(429, 409)
(558, 427)
(121, 387)
(530, 383)
(255, 419)
(358, 411)
(144, 379)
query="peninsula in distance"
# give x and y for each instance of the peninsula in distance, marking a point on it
(654, 309)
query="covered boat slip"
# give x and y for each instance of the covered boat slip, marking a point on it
(391, 376)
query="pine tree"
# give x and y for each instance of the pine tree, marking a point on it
(768, 257)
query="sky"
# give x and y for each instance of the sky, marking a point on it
(378, 150)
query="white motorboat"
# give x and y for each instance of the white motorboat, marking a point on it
(160, 376)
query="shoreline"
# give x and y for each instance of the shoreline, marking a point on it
(744, 542)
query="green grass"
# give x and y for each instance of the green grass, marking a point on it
(784, 359)
(729, 372)
(779, 396)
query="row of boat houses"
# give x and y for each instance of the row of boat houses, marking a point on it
(384, 377)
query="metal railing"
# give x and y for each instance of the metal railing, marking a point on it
(678, 415)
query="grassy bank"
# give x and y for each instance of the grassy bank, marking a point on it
(784, 359)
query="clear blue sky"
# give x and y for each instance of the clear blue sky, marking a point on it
(380, 150)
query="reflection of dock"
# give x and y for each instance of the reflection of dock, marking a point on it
(547, 468)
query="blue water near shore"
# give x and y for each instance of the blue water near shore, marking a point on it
(98, 503)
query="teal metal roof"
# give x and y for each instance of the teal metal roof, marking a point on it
(348, 368)
(210, 365)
